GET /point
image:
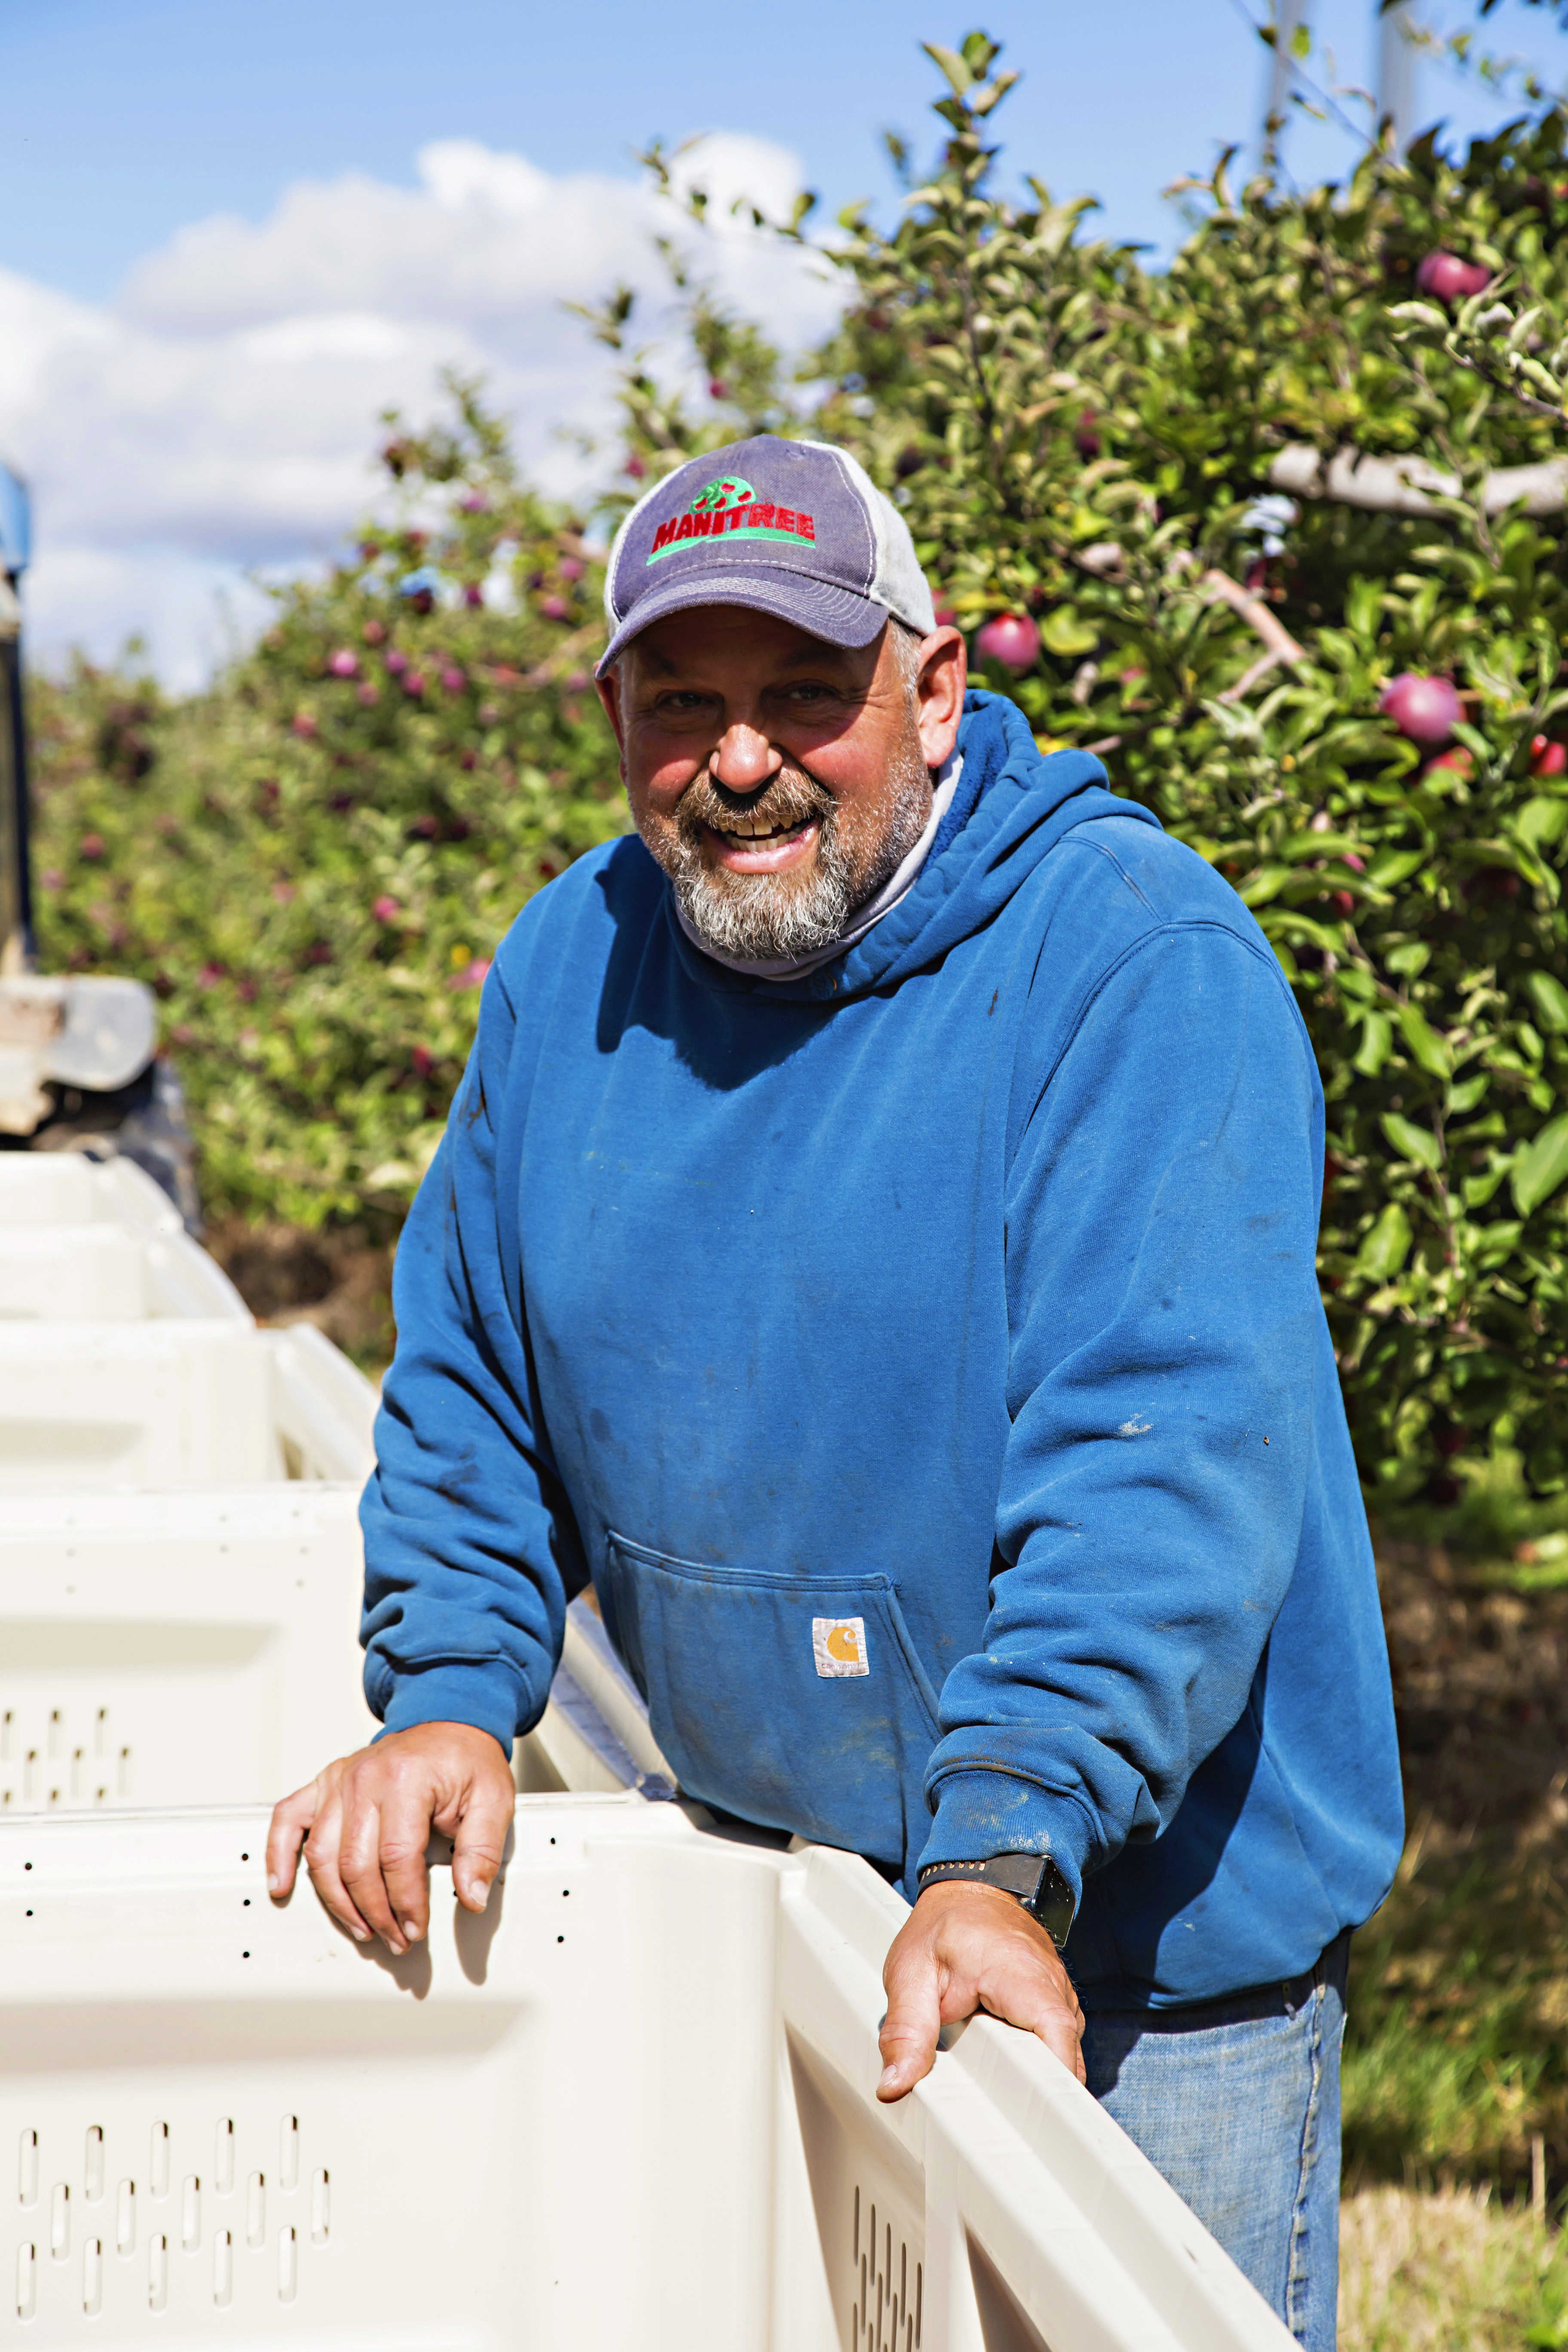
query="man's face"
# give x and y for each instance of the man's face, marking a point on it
(777, 780)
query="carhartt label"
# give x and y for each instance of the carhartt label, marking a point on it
(838, 1645)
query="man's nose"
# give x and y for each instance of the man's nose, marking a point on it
(746, 759)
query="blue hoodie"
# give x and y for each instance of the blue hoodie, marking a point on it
(963, 1288)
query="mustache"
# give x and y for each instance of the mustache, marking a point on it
(789, 799)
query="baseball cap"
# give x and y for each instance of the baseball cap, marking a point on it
(797, 528)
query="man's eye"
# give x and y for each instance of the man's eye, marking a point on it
(805, 693)
(681, 706)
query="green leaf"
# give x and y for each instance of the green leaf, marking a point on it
(1411, 1142)
(1386, 1246)
(1541, 820)
(1376, 1044)
(949, 62)
(1539, 1167)
(1064, 631)
(1394, 866)
(1424, 1042)
(1551, 1000)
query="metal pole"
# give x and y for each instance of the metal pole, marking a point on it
(15, 878)
(1288, 14)
(1396, 75)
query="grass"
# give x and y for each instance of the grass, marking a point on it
(1450, 2271)
(1457, 2054)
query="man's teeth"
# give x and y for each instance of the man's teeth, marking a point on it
(744, 828)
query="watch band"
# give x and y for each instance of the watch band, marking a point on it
(1033, 1878)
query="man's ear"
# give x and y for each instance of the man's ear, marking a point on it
(940, 689)
(608, 690)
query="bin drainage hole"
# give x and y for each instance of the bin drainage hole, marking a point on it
(887, 2286)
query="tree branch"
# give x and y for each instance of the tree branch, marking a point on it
(1281, 646)
(1409, 486)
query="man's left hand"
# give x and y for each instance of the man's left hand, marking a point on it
(965, 1948)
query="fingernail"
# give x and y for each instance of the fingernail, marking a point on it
(360, 1935)
(411, 1931)
(478, 1894)
(272, 1882)
(890, 2076)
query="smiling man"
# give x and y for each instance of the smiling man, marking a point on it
(874, 1241)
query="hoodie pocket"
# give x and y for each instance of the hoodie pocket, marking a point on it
(794, 1702)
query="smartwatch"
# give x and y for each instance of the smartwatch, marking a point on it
(1033, 1878)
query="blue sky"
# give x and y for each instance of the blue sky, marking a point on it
(124, 119)
(133, 130)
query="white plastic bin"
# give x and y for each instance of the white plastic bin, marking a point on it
(631, 2105)
(83, 1241)
(170, 1649)
(110, 1273)
(67, 1188)
(176, 1402)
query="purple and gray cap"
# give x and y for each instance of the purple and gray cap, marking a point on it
(797, 528)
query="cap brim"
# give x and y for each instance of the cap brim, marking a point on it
(836, 614)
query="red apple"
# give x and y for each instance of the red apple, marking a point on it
(413, 683)
(374, 632)
(553, 608)
(1457, 762)
(92, 847)
(473, 595)
(369, 695)
(396, 663)
(1012, 639)
(1547, 757)
(453, 679)
(343, 664)
(304, 725)
(636, 467)
(423, 1059)
(1424, 709)
(1448, 280)
(386, 910)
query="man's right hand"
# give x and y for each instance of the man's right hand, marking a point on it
(366, 1822)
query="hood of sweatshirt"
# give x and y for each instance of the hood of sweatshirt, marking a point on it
(1013, 805)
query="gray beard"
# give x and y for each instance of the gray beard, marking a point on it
(767, 917)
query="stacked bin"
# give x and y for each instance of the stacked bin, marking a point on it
(179, 1555)
(632, 2102)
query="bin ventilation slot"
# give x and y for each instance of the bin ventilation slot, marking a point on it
(261, 2218)
(889, 2284)
(60, 1757)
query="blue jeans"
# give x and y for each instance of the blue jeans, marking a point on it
(1237, 2103)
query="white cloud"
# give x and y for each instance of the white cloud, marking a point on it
(220, 415)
